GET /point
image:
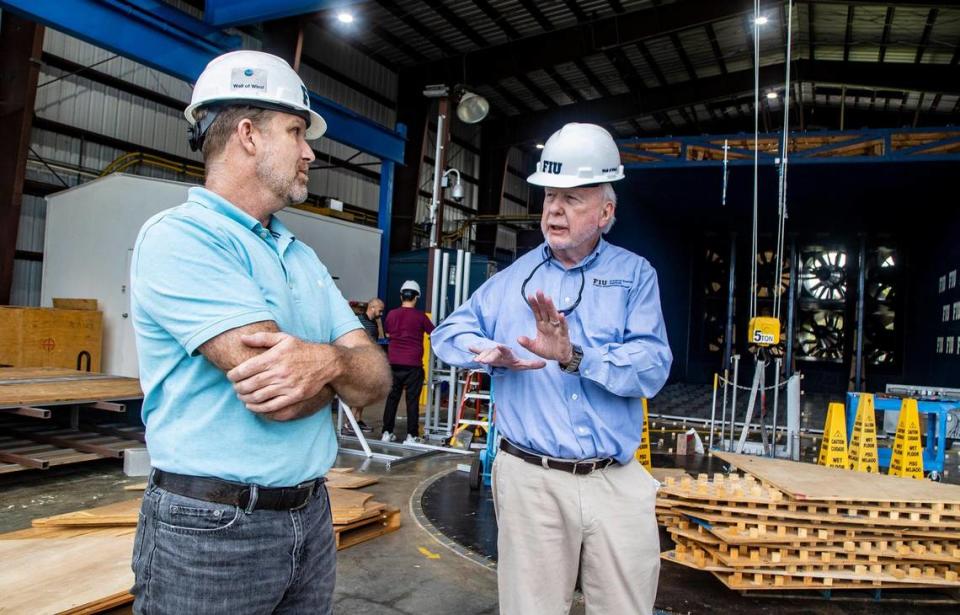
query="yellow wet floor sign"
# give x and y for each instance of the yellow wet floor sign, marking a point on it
(907, 459)
(643, 453)
(833, 449)
(862, 453)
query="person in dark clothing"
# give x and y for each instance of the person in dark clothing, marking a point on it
(405, 326)
(368, 318)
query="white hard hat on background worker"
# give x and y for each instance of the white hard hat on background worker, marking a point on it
(410, 285)
(578, 155)
(251, 78)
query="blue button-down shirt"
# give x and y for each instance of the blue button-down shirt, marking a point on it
(619, 325)
(201, 269)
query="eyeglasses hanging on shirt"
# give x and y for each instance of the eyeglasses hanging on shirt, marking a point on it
(565, 311)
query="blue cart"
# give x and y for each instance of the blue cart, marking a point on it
(937, 413)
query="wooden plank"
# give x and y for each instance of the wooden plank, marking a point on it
(344, 480)
(102, 605)
(804, 481)
(75, 304)
(119, 514)
(57, 575)
(60, 386)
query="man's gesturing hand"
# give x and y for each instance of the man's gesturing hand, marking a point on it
(291, 371)
(503, 356)
(553, 336)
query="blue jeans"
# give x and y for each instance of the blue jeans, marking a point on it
(194, 556)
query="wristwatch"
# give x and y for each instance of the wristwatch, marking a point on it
(573, 367)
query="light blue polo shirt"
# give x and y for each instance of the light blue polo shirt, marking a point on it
(201, 269)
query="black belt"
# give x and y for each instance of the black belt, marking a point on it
(574, 467)
(237, 494)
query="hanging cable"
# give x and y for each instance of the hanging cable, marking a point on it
(784, 155)
(756, 152)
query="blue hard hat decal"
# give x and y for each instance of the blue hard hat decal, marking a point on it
(248, 72)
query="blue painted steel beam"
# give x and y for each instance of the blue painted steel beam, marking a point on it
(185, 22)
(127, 29)
(384, 215)
(223, 13)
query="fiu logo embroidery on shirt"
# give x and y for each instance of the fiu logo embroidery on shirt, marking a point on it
(601, 283)
(552, 167)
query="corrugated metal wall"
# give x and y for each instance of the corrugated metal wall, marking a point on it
(76, 101)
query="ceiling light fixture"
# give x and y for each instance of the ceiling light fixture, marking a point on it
(345, 17)
(472, 107)
(772, 95)
(761, 20)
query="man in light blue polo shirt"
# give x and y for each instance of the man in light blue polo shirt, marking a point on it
(243, 341)
(574, 338)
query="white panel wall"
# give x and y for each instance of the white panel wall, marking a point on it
(91, 229)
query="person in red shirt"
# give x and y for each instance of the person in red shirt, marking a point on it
(405, 326)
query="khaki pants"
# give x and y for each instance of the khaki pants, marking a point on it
(552, 522)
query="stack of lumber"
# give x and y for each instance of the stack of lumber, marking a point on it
(786, 525)
(79, 562)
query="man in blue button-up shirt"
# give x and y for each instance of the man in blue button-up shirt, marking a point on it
(573, 336)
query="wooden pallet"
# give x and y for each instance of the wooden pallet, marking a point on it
(863, 547)
(804, 481)
(386, 521)
(750, 493)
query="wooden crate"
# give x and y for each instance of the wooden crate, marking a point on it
(49, 337)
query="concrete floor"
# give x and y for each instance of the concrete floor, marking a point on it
(407, 572)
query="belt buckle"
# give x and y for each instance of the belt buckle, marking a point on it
(593, 466)
(311, 489)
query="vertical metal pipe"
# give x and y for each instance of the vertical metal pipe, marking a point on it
(467, 262)
(435, 290)
(776, 400)
(713, 412)
(431, 363)
(436, 198)
(733, 405)
(861, 282)
(723, 411)
(792, 294)
(444, 282)
(458, 281)
(731, 288)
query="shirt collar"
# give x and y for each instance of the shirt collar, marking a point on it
(212, 200)
(587, 260)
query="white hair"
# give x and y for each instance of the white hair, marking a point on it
(609, 194)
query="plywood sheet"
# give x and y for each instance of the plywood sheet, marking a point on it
(121, 513)
(62, 386)
(806, 481)
(41, 576)
(345, 480)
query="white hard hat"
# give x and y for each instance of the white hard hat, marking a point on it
(578, 155)
(410, 285)
(256, 79)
